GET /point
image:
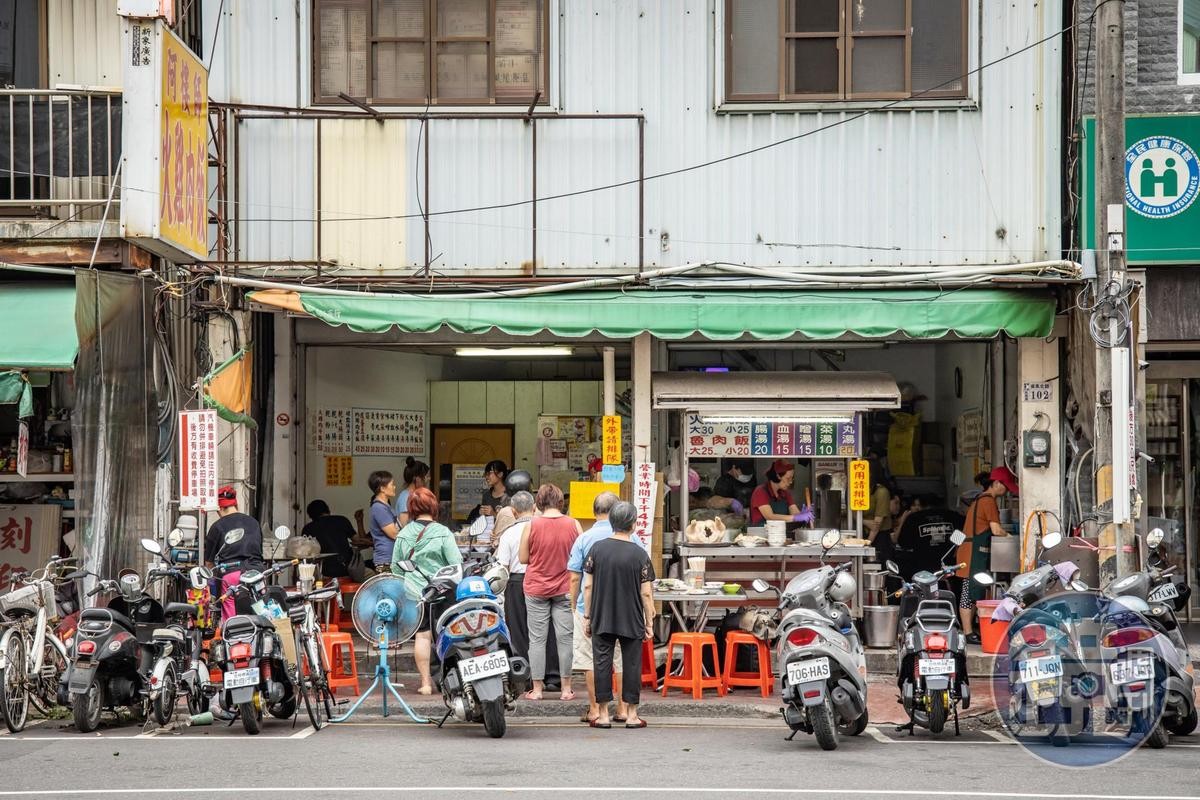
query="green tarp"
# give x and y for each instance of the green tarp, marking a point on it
(37, 326)
(15, 389)
(718, 314)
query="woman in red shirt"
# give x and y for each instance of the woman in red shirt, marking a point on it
(546, 547)
(773, 499)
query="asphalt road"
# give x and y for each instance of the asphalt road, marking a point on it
(563, 759)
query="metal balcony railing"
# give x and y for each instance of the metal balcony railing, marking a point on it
(59, 151)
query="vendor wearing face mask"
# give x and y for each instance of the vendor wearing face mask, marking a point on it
(735, 481)
(773, 499)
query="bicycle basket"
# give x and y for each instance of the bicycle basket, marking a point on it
(26, 600)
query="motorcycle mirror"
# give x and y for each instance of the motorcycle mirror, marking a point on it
(1078, 585)
(760, 585)
(1154, 538)
(151, 546)
(1051, 540)
(891, 566)
(831, 539)
(983, 579)
(957, 538)
(283, 532)
(206, 573)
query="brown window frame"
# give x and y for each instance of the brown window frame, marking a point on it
(431, 40)
(846, 37)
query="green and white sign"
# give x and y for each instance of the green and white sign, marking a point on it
(1162, 189)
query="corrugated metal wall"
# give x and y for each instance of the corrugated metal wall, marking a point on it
(970, 185)
(84, 43)
(276, 189)
(258, 50)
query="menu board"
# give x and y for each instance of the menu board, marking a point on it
(339, 470)
(466, 488)
(384, 432)
(767, 439)
(330, 431)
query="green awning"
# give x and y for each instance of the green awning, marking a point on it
(37, 326)
(715, 314)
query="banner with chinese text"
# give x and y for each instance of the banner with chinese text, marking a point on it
(769, 439)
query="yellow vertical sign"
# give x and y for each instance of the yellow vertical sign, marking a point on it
(860, 485)
(611, 439)
(183, 149)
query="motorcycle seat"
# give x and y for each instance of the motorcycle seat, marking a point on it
(106, 616)
(935, 614)
(174, 634)
(247, 623)
(184, 609)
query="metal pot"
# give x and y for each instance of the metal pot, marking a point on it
(874, 581)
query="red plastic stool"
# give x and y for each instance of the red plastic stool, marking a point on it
(345, 587)
(649, 668)
(692, 646)
(762, 678)
(339, 649)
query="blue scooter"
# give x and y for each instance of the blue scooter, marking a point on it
(480, 677)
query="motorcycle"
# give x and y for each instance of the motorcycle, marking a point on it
(931, 648)
(819, 657)
(251, 652)
(480, 677)
(1150, 684)
(179, 664)
(1049, 682)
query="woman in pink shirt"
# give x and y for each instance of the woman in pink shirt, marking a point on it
(545, 548)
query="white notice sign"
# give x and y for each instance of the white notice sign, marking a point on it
(198, 460)
(645, 498)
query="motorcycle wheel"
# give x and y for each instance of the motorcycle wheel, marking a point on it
(284, 709)
(1157, 737)
(195, 700)
(820, 718)
(163, 707)
(14, 699)
(855, 728)
(251, 720)
(86, 706)
(493, 718)
(1182, 726)
(937, 712)
(1055, 719)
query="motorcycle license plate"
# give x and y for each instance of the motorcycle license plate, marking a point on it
(1040, 669)
(816, 669)
(1131, 670)
(472, 669)
(1167, 591)
(81, 678)
(240, 678)
(936, 666)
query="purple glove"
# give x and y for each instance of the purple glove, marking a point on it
(805, 515)
(736, 507)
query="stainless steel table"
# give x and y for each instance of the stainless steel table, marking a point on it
(695, 623)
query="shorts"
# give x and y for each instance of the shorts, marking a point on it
(582, 647)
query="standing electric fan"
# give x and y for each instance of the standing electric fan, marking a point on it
(386, 614)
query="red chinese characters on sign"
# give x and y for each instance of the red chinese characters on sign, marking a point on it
(198, 459)
(611, 439)
(183, 149)
(645, 499)
(717, 439)
(16, 535)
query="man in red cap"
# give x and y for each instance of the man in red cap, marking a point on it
(234, 542)
(982, 523)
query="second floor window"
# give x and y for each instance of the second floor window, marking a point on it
(436, 51)
(806, 50)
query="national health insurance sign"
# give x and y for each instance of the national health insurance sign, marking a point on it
(1162, 188)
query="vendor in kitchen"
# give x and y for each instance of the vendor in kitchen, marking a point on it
(773, 500)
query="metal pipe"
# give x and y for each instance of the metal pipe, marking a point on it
(29, 268)
(533, 183)
(610, 381)
(997, 410)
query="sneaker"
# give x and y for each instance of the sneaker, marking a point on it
(973, 638)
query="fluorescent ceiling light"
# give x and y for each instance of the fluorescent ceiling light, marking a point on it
(515, 352)
(807, 418)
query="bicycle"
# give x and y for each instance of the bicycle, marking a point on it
(312, 669)
(32, 658)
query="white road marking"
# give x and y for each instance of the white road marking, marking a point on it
(877, 735)
(652, 790)
(33, 723)
(998, 736)
(303, 734)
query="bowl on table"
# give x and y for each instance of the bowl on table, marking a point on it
(731, 588)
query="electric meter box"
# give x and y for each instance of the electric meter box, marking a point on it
(1036, 448)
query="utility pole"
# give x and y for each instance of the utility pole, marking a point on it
(1119, 556)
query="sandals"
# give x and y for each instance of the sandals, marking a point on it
(641, 723)
(595, 723)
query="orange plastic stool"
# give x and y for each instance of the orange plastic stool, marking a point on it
(762, 678)
(339, 647)
(693, 678)
(345, 587)
(649, 668)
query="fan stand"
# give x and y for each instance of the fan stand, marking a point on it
(383, 683)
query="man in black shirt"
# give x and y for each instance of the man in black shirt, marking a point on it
(334, 535)
(736, 482)
(619, 607)
(924, 542)
(235, 540)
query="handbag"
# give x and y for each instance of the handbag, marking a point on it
(356, 568)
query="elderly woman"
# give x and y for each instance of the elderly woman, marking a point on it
(773, 499)
(429, 546)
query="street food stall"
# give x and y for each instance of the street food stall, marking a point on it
(805, 417)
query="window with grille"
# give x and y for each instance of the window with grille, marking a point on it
(805, 50)
(430, 51)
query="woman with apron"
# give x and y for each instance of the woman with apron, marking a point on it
(773, 499)
(982, 523)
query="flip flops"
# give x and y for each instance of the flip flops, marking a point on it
(598, 724)
(641, 723)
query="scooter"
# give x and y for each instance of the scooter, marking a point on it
(1049, 682)
(251, 652)
(480, 678)
(931, 648)
(819, 656)
(1150, 684)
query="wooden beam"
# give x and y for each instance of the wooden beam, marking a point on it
(72, 253)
